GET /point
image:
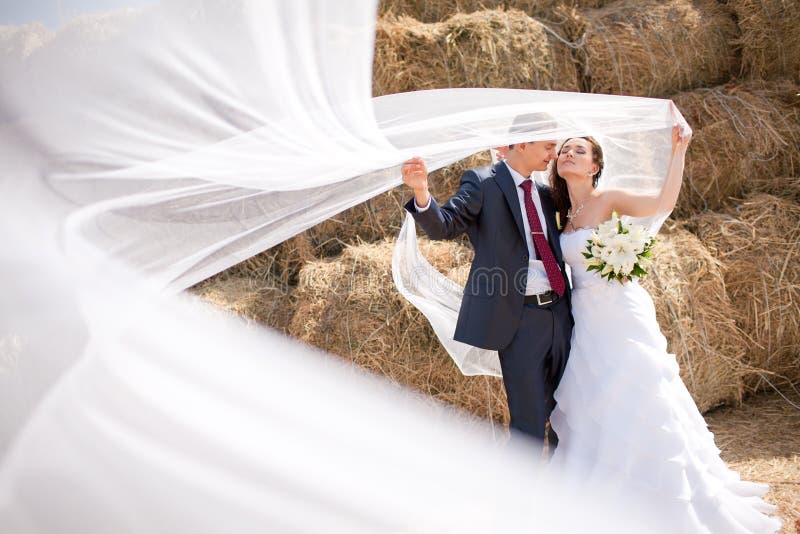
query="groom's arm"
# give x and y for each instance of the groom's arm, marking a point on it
(451, 219)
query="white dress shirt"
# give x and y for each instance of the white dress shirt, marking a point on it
(537, 281)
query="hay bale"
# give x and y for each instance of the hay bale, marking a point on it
(758, 244)
(254, 300)
(786, 187)
(378, 218)
(383, 215)
(697, 318)
(350, 307)
(770, 42)
(760, 441)
(654, 48)
(373, 220)
(484, 49)
(438, 10)
(279, 265)
(259, 288)
(747, 138)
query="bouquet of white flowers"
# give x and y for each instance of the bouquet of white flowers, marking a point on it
(619, 250)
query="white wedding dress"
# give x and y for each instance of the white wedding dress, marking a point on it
(627, 422)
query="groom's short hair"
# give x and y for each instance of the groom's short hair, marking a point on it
(532, 123)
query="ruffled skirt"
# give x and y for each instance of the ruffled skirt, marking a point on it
(627, 423)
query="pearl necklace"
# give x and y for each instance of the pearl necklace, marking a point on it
(571, 215)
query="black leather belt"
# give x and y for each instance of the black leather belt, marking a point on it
(541, 299)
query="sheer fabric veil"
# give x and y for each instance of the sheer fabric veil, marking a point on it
(147, 148)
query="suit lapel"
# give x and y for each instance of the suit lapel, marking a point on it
(506, 183)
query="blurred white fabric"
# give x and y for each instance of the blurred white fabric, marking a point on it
(171, 416)
(151, 148)
(186, 137)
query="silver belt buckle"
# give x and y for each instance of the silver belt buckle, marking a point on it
(540, 301)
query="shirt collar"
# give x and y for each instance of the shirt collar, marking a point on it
(518, 178)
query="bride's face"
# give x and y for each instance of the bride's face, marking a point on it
(575, 159)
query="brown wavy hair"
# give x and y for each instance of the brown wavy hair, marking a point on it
(558, 186)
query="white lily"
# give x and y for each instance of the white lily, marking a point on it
(615, 248)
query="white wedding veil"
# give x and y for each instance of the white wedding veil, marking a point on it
(150, 147)
(181, 163)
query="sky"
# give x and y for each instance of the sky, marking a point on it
(53, 13)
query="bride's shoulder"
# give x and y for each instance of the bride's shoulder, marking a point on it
(607, 196)
(605, 193)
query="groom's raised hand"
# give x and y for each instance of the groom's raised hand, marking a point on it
(501, 152)
(415, 176)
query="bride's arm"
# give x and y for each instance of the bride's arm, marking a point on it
(645, 205)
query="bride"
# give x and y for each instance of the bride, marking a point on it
(624, 417)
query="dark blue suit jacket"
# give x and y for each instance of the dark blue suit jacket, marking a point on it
(486, 207)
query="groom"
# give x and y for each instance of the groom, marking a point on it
(517, 296)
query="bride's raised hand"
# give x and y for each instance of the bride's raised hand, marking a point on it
(680, 138)
(681, 133)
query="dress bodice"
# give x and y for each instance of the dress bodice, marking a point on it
(573, 244)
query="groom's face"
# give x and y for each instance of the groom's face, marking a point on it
(538, 154)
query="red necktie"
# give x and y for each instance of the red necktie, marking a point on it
(540, 242)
